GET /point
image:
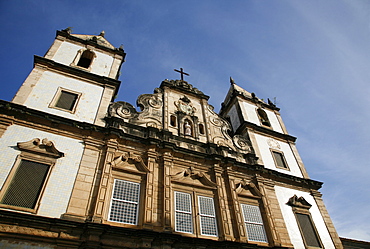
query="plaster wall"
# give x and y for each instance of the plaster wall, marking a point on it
(250, 114)
(44, 91)
(283, 194)
(59, 186)
(67, 52)
(267, 143)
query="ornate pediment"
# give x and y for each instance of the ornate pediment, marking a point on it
(247, 189)
(150, 114)
(192, 176)
(296, 201)
(43, 147)
(129, 162)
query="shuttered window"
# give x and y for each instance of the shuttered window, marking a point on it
(183, 213)
(25, 188)
(308, 231)
(125, 202)
(254, 223)
(67, 100)
(207, 216)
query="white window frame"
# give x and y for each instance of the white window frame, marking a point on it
(124, 201)
(257, 222)
(205, 215)
(184, 212)
(57, 96)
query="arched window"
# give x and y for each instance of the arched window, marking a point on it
(263, 117)
(86, 58)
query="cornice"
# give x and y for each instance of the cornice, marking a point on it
(183, 86)
(160, 138)
(93, 78)
(248, 125)
(91, 42)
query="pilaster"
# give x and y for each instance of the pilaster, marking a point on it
(78, 207)
(328, 222)
(5, 122)
(101, 199)
(276, 224)
(167, 205)
(150, 213)
(225, 226)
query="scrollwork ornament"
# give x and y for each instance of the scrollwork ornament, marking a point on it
(242, 143)
(273, 144)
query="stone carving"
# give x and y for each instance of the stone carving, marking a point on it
(150, 114)
(243, 187)
(194, 175)
(38, 146)
(183, 105)
(127, 160)
(242, 143)
(296, 201)
(273, 144)
(183, 84)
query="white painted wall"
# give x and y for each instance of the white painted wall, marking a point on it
(250, 114)
(268, 160)
(67, 52)
(44, 91)
(59, 186)
(283, 195)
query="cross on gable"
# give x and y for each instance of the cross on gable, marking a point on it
(182, 73)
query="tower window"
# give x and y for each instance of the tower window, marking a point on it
(65, 100)
(263, 117)
(86, 58)
(279, 160)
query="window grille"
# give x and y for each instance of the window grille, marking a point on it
(67, 100)
(254, 223)
(125, 202)
(207, 216)
(183, 213)
(26, 185)
(308, 230)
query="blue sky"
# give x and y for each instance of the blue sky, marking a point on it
(312, 56)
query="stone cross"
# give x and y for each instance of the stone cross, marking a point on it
(182, 73)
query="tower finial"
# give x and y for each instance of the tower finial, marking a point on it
(102, 34)
(232, 82)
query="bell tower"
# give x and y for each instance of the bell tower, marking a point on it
(261, 122)
(77, 78)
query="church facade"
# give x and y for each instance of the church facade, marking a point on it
(81, 171)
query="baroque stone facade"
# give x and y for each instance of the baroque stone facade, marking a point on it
(174, 174)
